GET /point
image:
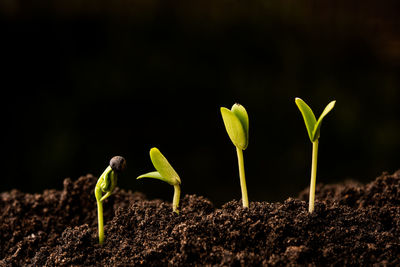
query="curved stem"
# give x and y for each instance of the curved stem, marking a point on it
(313, 176)
(100, 221)
(243, 186)
(177, 195)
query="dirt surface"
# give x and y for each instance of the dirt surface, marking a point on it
(352, 224)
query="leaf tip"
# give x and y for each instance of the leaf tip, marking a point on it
(223, 109)
(330, 106)
(236, 105)
(298, 100)
(154, 150)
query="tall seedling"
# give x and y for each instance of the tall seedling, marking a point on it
(313, 128)
(236, 123)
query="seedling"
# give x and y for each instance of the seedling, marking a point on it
(106, 184)
(313, 128)
(165, 173)
(236, 123)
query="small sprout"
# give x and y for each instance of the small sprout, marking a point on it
(106, 184)
(165, 173)
(236, 123)
(313, 128)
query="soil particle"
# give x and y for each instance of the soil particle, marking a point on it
(352, 224)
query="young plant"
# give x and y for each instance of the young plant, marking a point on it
(165, 173)
(313, 128)
(106, 184)
(236, 123)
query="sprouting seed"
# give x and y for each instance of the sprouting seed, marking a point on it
(236, 123)
(166, 173)
(106, 184)
(313, 128)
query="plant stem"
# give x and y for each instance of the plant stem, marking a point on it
(177, 195)
(313, 176)
(100, 221)
(243, 186)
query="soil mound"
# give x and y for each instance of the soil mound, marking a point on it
(352, 224)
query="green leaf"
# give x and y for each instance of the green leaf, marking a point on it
(313, 126)
(106, 184)
(104, 181)
(155, 175)
(236, 130)
(317, 127)
(242, 115)
(163, 167)
(308, 116)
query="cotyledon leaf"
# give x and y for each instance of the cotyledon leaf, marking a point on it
(242, 115)
(163, 167)
(155, 175)
(234, 128)
(317, 126)
(308, 116)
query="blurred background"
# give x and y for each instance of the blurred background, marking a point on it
(82, 81)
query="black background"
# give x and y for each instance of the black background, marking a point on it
(85, 80)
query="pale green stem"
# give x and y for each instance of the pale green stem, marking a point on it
(313, 176)
(243, 186)
(100, 221)
(177, 195)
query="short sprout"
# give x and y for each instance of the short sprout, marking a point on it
(106, 184)
(165, 173)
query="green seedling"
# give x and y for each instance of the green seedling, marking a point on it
(165, 173)
(313, 128)
(236, 123)
(106, 184)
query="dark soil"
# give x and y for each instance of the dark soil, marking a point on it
(352, 224)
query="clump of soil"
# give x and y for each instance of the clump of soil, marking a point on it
(352, 224)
